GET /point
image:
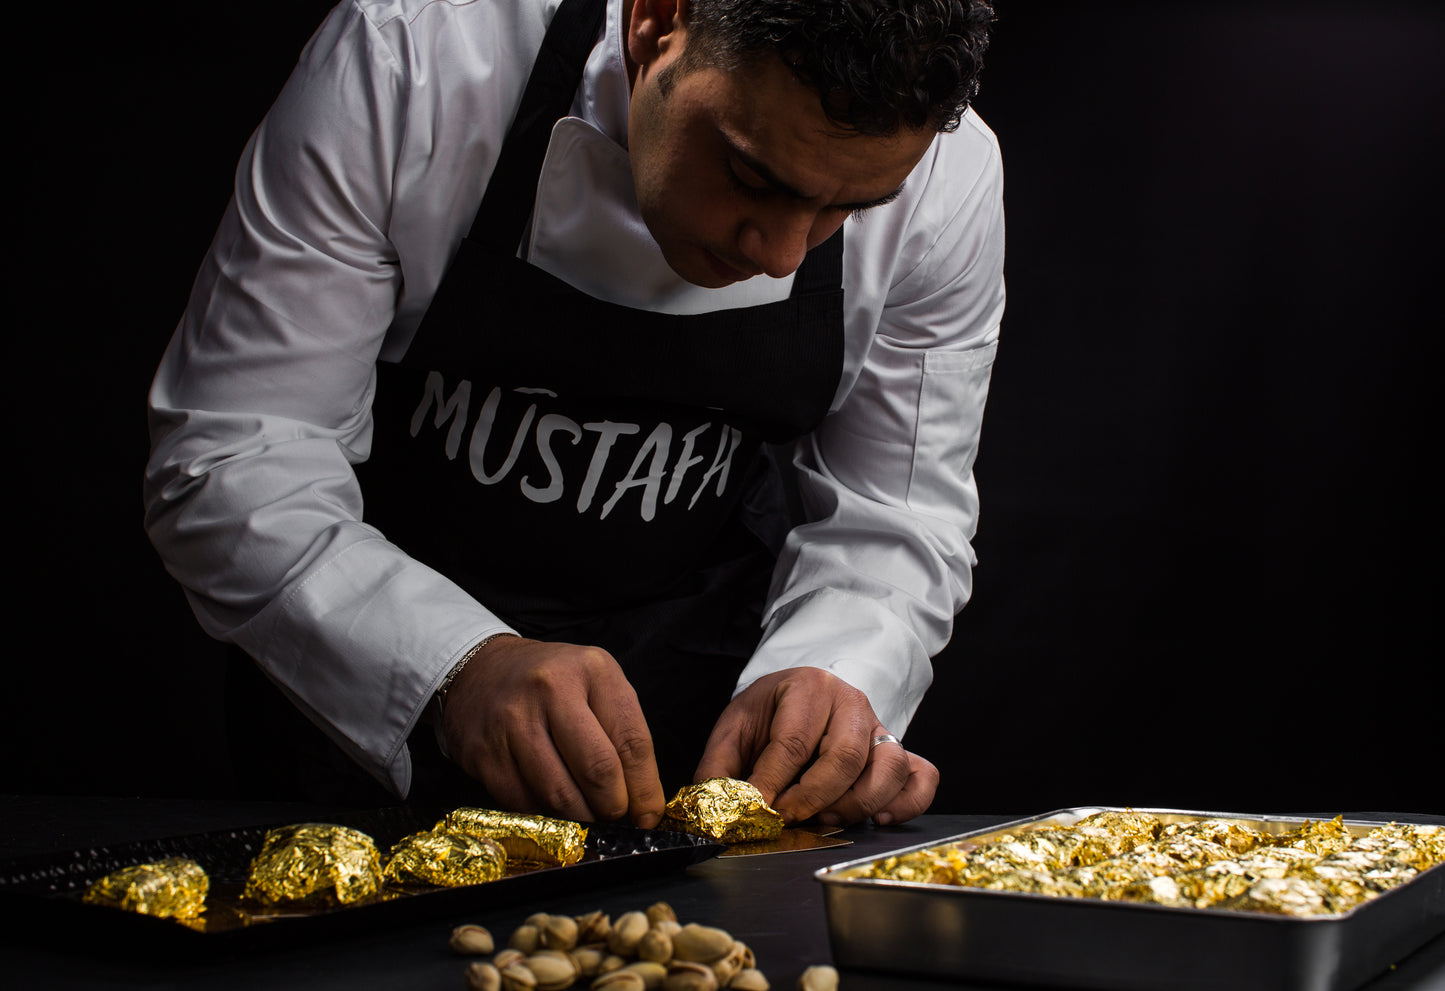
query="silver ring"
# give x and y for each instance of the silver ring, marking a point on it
(878, 741)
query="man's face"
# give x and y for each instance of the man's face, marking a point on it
(739, 173)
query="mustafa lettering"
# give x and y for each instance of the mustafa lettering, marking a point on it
(703, 459)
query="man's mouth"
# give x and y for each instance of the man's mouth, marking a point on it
(726, 271)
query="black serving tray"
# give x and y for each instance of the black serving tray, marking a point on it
(41, 893)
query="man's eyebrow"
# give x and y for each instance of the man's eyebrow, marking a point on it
(771, 178)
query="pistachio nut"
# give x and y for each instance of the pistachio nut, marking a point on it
(593, 927)
(506, 956)
(651, 972)
(688, 975)
(727, 965)
(699, 943)
(588, 960)
(618, 980)
(818, 978)
(517, 976)
(553, 969)
(655, 945)
(749, 979)
(660, 912)
(627, 932)
(559, 932)
(482, 976)
(526, 938)
(471, 940)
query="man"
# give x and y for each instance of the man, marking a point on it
(741, 223)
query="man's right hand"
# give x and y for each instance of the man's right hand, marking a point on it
(554, 728)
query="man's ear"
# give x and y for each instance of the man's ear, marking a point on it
(654, 28)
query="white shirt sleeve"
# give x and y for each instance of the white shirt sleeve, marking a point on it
(869, 588)
(262, 402)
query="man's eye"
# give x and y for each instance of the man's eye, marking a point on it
(744, 179)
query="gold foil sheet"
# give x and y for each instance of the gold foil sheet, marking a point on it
(723, 809)
(445, 858)
(1424, 845)
(1280, 896)
(314, 864)
(527, 839)
(1123, 822)
(1233, 836)
(1314, 869)
(1317, 837)
(174, 888)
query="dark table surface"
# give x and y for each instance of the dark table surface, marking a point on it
(772, 903)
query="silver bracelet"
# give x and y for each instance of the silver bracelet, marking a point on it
(441, 692)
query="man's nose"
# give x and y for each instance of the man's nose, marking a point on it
(776, 241)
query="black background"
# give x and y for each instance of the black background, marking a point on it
(1209, 536)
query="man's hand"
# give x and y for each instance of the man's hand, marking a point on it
(805, 735)
(555, 728)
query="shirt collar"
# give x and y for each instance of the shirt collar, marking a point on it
(605, 94)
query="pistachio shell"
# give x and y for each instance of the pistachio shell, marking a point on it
(618, 980)
(553, 969)
(660, 912)
(655, 945)
(749, 979)
(482, 976)
(506, 956)
(526, 938)
(559, 932)
(818, 978)
(688, 975)
(703, 944)
(471, 940)
(593, 927)
(588, 960)
(627, 932)
(518, 976)
(651, 972)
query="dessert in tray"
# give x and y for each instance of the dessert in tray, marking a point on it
(1316, 868)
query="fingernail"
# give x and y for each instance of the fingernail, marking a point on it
(883, 819)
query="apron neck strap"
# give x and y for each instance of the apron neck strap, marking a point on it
(552, 87)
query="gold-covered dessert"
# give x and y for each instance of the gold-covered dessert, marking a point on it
(529, 840)
(1316, 868)
(445, 858)
(314, 864)
(173, 888)
(722, 809)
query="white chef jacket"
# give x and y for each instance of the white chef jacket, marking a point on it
(350, 200)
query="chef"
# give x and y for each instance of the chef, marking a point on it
(470, 434)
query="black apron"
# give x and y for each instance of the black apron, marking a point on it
(594, 473)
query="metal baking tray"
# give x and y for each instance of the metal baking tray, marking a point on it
(981, 935)
(42, 892)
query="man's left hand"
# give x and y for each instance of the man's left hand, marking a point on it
(804, 738)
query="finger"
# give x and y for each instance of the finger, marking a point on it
(507, 782)
(885, 775)
(543, 763)
(593, 765)
(841, 757)
(797, 732)
(620, 716)
(916, 796)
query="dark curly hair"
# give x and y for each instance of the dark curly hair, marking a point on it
(878, 65)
